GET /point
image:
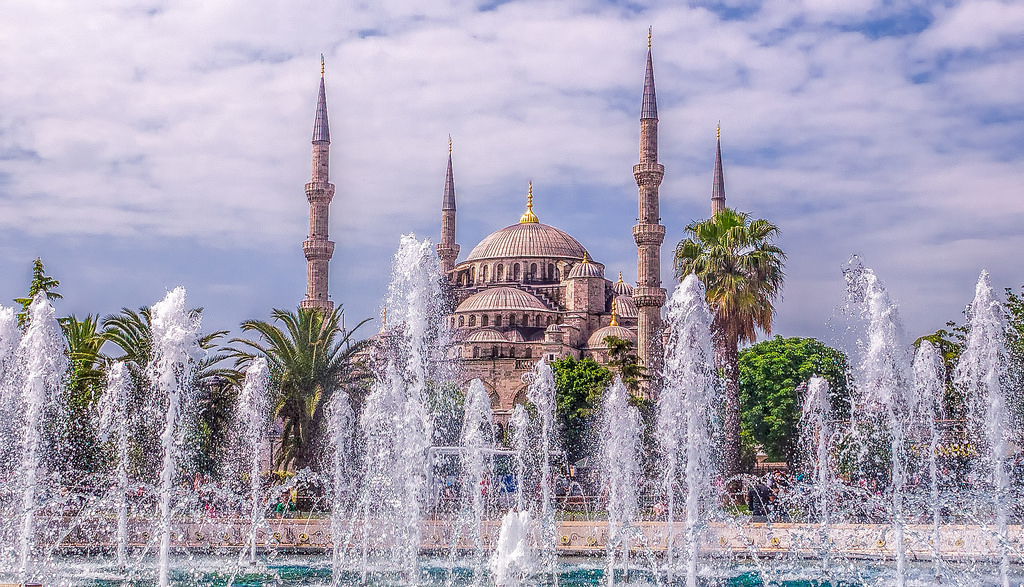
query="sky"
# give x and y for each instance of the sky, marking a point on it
(146, 145)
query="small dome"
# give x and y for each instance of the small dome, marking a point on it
(622, 288)
(501, 298)
(586, 269)
(530, 239)
(596, 340)
(625, 306)
(486, 335)
(553, 328)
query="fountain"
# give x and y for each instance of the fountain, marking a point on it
(114, 418)
(621, 437)
(477, 465)
(253, 406)
(375, 514)
(175, 349)
(981, 376)
(880, 408)
(42, 358)
(686, 419)
(928, 392)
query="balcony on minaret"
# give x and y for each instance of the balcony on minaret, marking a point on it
(649, 234)
(319, 192)
(318, 248)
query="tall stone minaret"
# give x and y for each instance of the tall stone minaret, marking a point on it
(718, 187)
(649, 296)
(447, 250)
(319, 192)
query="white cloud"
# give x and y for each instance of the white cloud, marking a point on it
(164, 123)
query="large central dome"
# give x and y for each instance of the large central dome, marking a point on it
(530, 239)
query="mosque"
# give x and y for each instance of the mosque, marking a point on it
(530, 290)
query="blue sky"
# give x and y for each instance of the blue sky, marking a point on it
(145, 145)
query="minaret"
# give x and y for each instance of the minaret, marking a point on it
(447, 250)
(718, 188)
(319, 192)
(649, 296)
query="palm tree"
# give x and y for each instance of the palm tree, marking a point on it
(80, 451)
(131, 332)
(310, 357)
(742, 273)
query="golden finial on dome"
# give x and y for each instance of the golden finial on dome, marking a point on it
(620, 277)
(650, 32)
(322, 66)
(529, 217)
(615, 315)
(585, 258)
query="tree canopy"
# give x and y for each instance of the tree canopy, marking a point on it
(742, 272)
(578, 387)
(772, 376)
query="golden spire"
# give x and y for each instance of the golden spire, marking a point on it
(449, 144)
(650, 31)
(718, 131)
(322, 67)
(529, 217)
(615, 315)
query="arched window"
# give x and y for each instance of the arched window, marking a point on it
(483, 273)
(494, 351)
(497, 320)
(515, 272)
(526, 319)
(551, 271)
(462, 320)
(472, 275)
(511, 319)
(476, 352)
(529, 352)
(499, 272)
(472, 320)
(533, 271)
(557, 275)
(483, 320)
(549, 320)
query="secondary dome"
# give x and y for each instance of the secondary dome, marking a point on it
(486, 335)
(596, 340)
(529, 239)
(625, 306)
(621, 287)
(501, 298)
(586, 269)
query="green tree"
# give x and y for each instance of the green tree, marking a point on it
(79, 452)
(625, 363)
(742, 273)
(310, 357)
(131, 332)
(40, 282)
(578, 387)
(772, 378)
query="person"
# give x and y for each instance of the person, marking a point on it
(759, 498)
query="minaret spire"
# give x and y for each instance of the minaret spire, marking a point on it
(319, 192)
(649, 233)
(718, 187)
(447, 249)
